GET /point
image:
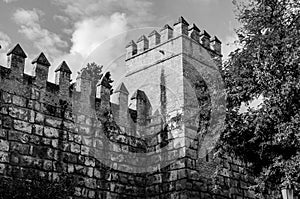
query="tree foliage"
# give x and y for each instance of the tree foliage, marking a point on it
(267, 65)
(96, 74)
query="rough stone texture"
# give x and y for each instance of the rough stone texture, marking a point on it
(54, 128)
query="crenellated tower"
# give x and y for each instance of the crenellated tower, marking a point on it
(168, 82)
(145, 144)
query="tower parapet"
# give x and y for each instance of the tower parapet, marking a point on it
(216, 45)
(154, 38)
(166, 33)
(16, 62)
(205, 39)
(122, 93)
(194, 33)
(62, 79)
(131, 49)
(41, 67)
(142, 44)
(181, 28)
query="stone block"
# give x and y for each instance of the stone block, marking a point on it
(50, 132)
(19, 101)
(4, 158)
(85, 150)
(80, 170)
(7, 97)
(37, 163)
(23, 126)
(14, 159)
(91, 194)
(46, 141)
(35, 94)
(81, 159)
(3, 133)
(7, 122)
(47, 165)
(70, 126)
(52, 122)
(70, 168)
(54, 143)
(4, 145)
(90, 171)
(77, 139)
(39, 118)
(38, 129)
(19, 147)
(2, 168)
(89, 161)
(26, 161)
(77, 191)
(18, 136)
(19, 113)
(97, 173)
(4, 110)
(37, 106)
(75, 148)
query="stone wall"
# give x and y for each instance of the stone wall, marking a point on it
(112, 150)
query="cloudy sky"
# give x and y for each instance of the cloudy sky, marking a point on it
(80, 31)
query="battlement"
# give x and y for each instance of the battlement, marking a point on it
(145, 144)
(15, 81)
(167, 33)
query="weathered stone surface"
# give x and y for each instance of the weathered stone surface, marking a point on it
(50, 132)
(3, 133)
(75, 148)
(39, 118)
(2, 168)
(20, 148)
(51, 128)
(4, 157)
(20, 101)
(22, 126)
(38, 129)
(52, 122)
(4, 145)
(6, 97)
(18, 136)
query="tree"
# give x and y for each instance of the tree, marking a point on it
(95, 72)
(267, 66)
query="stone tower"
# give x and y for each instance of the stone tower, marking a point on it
(169, 85)
(149, 144)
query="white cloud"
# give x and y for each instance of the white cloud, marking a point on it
(96, 40)
(90, 33)
(42, 39)
(93, 23)
(137, 11)
(4, 43)
(60, 18)
(96, 24)
(9, 1)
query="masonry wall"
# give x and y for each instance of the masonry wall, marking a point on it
(44, 135)
(153, 152)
